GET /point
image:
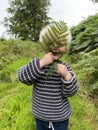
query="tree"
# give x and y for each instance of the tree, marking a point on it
(27, 18)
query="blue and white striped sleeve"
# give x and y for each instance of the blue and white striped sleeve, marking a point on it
(69, 88)
(30, 72)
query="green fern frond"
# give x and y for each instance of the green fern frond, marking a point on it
(55, 35)
(53, 68)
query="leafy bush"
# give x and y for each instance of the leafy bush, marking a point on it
(10, 51)
(88, 66)
(84, 35)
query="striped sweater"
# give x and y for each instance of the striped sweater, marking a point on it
(49, 97)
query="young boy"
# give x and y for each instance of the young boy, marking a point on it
(50, 105)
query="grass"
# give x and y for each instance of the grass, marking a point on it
(84, 112)
(15, 102)
(15, 110)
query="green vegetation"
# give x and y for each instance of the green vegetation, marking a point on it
(15, 97)
(84, 35)
(26, 18)
(84, 51)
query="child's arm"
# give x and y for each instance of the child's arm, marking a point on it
(30, 72)
(70, 85)
(46, 60)
(33, 71)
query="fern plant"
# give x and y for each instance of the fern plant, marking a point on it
(52, 37)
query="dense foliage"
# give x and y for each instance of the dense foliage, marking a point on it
(84, 35)
(26, 18)
(87, 65)
(84, 51)
(10, 51)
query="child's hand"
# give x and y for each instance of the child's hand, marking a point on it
(62, 70)
(46, 60)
